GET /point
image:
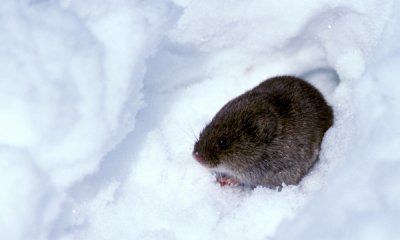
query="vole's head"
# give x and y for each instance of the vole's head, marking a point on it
(238, 135)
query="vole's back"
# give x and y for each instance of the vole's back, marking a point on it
(296, 99)
(304, 117)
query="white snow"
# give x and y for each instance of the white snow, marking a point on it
(101, 102)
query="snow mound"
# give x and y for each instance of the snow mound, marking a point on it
(101, 102)
(69, 93)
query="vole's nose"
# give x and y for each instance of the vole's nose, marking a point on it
(198, 157)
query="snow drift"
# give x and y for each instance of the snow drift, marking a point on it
(101, 102)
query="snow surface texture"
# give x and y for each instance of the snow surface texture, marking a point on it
(101, 102)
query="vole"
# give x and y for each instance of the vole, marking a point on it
(269, 136)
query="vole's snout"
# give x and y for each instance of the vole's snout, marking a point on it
(198, 157)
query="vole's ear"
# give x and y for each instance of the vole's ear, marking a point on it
(267, 126)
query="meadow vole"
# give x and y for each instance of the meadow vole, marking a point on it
(268, 136)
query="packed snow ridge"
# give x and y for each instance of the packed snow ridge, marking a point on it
(101, 102)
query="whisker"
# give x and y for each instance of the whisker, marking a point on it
(194, 134)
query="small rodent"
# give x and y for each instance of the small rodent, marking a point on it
(268, 136)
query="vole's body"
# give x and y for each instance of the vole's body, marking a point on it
(267, 136)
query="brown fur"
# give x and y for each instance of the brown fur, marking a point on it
(267, 136)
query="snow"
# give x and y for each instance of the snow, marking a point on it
(101, 102)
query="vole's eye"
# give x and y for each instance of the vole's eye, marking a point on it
(222, 143)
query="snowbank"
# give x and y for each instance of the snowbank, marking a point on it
(76, 80)
(69, 91)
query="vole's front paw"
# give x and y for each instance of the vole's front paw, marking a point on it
(224, 180)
